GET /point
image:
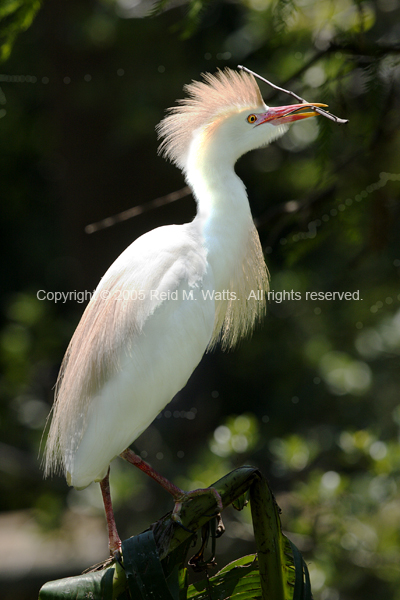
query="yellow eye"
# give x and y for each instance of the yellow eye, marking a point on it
(251, 119)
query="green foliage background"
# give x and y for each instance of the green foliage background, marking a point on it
(313, 398)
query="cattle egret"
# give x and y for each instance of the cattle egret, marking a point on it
(174, 293)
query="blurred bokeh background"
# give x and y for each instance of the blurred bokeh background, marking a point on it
(313, 398)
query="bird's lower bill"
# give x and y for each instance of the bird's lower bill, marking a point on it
(278, 115)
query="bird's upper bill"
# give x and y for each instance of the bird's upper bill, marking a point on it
(278, 115)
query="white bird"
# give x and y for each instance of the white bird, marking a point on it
(174, 293)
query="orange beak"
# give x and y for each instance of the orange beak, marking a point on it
(287, 114)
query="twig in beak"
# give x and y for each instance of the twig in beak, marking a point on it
(320, 111)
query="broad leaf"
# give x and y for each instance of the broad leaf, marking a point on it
(145, 575)
(97, 585)
(240, 580)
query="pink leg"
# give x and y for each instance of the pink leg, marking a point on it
(178, 495)
(114, 542)
(134, 459)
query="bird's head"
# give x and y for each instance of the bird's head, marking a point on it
(224, 116)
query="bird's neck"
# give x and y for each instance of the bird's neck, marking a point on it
(233, 249)
(223, 214)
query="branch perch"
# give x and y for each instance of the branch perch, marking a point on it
(153, 562)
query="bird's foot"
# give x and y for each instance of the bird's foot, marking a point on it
(186, 496)
(178, 495)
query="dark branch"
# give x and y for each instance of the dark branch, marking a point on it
(138, 210)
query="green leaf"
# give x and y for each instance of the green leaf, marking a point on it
(15, 16)
(283, 572)
(239, 580)
(240, 502)
(145, 575)
(269, 540)
(302, 586)
(97, 585)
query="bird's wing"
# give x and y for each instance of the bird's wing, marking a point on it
(135, 285)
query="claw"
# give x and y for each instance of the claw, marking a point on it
(176, 519)
(220, 529)
(118, 557)
(185, 496)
